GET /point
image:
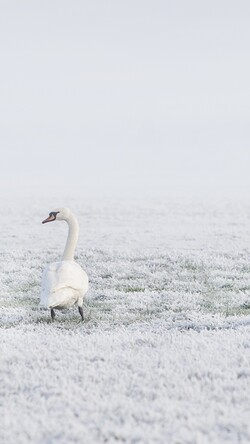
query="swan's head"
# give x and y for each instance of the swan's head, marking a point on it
(58, 214)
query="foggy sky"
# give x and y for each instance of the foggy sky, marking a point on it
(109, 96)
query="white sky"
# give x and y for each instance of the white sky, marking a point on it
(108, 96)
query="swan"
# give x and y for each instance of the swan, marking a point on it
(64, 283)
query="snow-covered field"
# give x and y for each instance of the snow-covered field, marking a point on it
(164, 353)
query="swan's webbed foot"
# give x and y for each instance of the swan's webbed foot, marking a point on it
(53, 315)
(81, 312)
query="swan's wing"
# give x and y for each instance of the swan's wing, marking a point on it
(66, 274)
(58, 277)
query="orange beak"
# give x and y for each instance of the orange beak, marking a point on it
(49, 219)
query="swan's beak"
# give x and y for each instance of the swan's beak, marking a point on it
(49, 219)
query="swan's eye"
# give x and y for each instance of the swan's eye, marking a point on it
(54, 214)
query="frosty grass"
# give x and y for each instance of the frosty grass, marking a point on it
(163, 355)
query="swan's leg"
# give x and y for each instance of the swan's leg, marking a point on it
(53, 315)
(81, 312)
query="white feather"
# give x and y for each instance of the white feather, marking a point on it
(64, 283)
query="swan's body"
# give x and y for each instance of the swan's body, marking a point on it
(64, 283)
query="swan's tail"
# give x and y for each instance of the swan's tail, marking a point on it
(63, 298)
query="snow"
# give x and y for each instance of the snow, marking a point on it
(163, 355)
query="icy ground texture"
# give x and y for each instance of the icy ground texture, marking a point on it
(164, 353)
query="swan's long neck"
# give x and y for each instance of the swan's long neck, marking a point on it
(69, 251)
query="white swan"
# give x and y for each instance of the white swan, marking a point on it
(64, 283)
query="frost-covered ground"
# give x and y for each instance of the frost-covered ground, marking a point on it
(164, 353)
